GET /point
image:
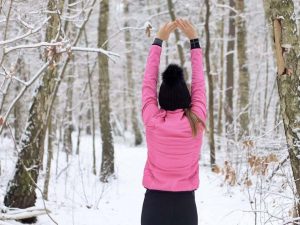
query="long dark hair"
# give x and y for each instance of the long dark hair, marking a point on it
(196, 123)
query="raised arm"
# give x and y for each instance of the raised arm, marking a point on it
(198, 92)
(149, 93)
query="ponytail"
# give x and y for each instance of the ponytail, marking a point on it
(194, 120)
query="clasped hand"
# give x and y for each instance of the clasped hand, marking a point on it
(184, 25)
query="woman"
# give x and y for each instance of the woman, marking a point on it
(173, 133)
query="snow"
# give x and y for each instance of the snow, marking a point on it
(77, 196)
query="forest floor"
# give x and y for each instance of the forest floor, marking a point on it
(77, 197)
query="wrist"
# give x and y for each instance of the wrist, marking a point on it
(195, 43)
(194, 38)
(157, 41)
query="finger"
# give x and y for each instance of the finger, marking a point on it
(172, 28)
(171, 25)
(181, 24)
(166, 24)
(188, 21)
(190, 24)
(185, 23)
(177, 22)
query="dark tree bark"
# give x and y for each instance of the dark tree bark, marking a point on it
(131, 96)
(243, 71)
(107, 163)
(221, 77)
(68, 126)
(18, 116)
(230, 74)
(210, 90)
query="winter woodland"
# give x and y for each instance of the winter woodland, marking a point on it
(72, 141)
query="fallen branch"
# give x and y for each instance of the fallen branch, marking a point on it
(18, 214)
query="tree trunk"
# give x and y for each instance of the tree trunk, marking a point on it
(21, 189)
(267, 84)
(18, 106)
(131, 96)
(79, 128)
(177, 39)
(287, 51)
(49, 159)
(243, 71)
(210, 90)
(221, 93)
(125, 105)
(107, 163)
(93, 124)
(230, 75)
(88, 126)
(69, 127)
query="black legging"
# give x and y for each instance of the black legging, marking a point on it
(169, 208)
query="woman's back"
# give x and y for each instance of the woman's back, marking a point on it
(173, 133)
(173, 153)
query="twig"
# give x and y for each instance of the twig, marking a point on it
(277, 168)
(26, 34)
(23, 91)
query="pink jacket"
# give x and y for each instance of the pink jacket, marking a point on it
(173, 153)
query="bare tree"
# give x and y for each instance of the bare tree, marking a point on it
(287, 50)
(21, 189)
(131, 96)
(49, 159)
(211, 88)
(243, 70)
(221, 76)
(107, 163)
(172, 13)
(230, 73)
(68, 125)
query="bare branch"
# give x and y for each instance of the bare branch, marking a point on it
(23, 91)
(25, 35)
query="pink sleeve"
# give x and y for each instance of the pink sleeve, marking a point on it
(198, 91)
(149, 85)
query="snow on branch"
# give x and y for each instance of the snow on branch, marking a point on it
(227, 6)
(109, 54)
(63, 49)
(18, 214)
(29, 32)
(28, 83)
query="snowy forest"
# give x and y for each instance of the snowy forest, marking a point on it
(72, 141)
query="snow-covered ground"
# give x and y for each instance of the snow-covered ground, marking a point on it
(77, 197)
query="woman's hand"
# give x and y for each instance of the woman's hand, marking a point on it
(164, 31)
(187, 28)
